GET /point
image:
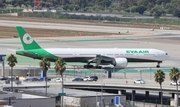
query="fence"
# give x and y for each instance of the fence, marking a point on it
(154, 103)
(80, 73)
(120, 74)
(125, 104)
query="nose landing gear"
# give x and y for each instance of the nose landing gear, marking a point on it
(158, 65)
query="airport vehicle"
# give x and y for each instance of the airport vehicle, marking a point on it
(119, 58)
(31, 79)
(174, 83)
(87, 78)
(58, 80)
(43, 79)
(28, 79)
(77, 80)
(35, 79)
(140, 81)
(18, 82)
(48, 79)
(4, 78)
(94, 78)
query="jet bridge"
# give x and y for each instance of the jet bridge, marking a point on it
(2, 59)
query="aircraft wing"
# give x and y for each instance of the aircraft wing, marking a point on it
(27, 53)
(12, 50)
(103, 57)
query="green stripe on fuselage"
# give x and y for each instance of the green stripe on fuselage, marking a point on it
(37, 54)
(40, 53)
(141, 60)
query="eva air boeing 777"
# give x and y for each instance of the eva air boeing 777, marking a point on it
(101, 56)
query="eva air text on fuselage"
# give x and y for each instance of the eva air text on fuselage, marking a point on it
(137, 51)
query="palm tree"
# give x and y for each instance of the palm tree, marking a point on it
(45, 65)
(159, 78)
(174, 76)
(60, 66)
(12, 60)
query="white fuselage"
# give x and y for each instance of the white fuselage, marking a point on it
(141, 55)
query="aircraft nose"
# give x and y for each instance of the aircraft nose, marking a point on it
(167, 56)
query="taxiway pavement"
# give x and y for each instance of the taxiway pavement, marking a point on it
(132, 40)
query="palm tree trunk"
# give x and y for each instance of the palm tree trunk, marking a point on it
(62, 88)
(161, 96)
(46, 81)
(177, 100)
(11, 79)
(46, 85)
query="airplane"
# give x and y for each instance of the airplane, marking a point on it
(118, 57)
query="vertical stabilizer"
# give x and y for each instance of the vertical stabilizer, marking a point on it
(27, 41)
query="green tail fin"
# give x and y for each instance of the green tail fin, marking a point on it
(27, 41)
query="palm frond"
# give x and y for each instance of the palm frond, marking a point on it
(44, 64)
(60, 66)
(174, 74)
(12, 60)
(159, 76)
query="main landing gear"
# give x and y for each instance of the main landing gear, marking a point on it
(91, 66)
(158, 65)
(88, 66)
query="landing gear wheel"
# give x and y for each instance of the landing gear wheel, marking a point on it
(158, 66)
(85, 66)
(88, 66)
(98, 67)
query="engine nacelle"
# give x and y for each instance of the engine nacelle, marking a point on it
(120, 62)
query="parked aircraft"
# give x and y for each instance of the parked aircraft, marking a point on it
(101, 56)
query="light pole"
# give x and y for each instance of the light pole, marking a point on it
(124, 75)
(102, 88)
(74, 70)
(150, 72)
(9, 71)
(29, 70)
(34, 70)
(140, 72)
(3, 73)
(96, 99)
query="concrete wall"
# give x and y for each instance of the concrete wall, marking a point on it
(73, 101)
(22, 72)
(107, 100)
(27, 100)
(9, 94)
(39, 102)
(91, 100)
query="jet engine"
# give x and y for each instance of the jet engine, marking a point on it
(120, 62)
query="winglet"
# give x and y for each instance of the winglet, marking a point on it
(27, 41)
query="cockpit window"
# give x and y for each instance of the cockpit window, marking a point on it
(166, 53)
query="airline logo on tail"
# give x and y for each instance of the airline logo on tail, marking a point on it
(27, 39)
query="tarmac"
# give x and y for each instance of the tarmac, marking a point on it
(8, 46)
(166, 40)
